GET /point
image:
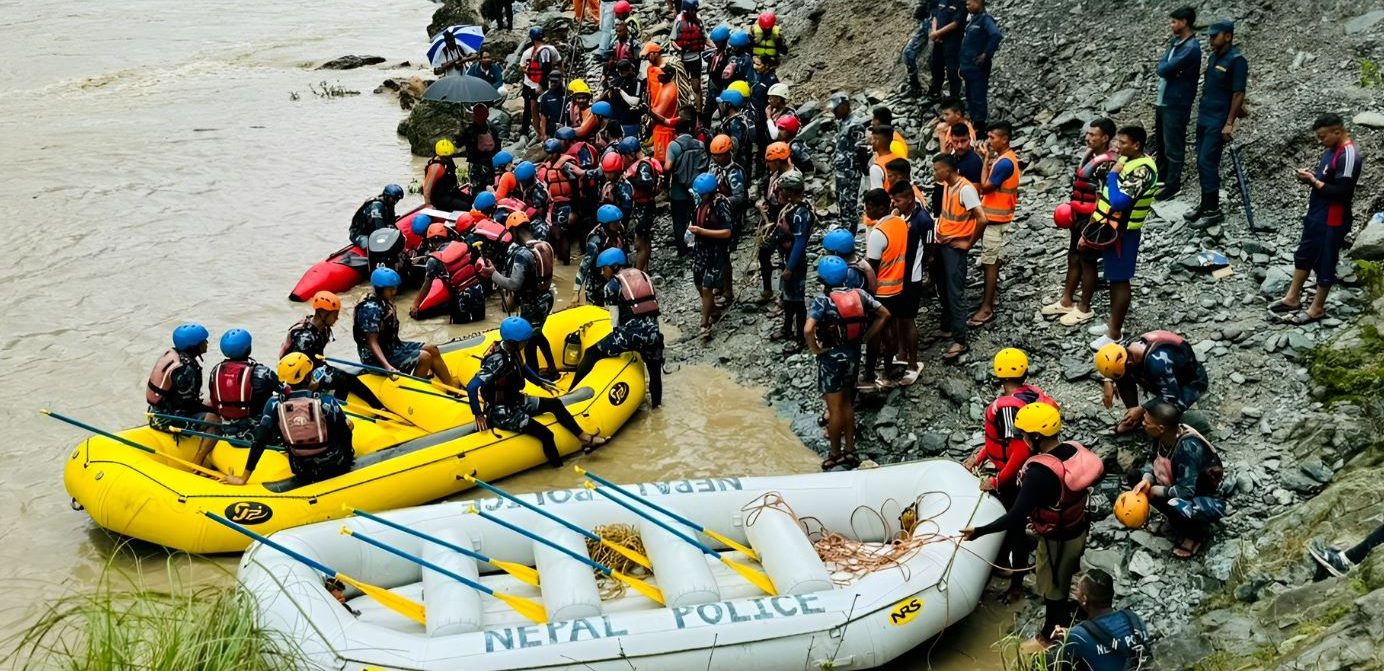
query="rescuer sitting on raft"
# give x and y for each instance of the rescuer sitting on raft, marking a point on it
(312, 427)
(310, 336)
(239, 389)
(376, 334)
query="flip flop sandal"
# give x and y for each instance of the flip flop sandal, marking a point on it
(977, 323)
(1187, 548)
(953, 354)
(831, 462)
(1303, 319)
(590, 446)
(1278, 307)
(850, 461)
(911, 376)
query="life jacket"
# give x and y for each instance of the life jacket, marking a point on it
(765, 43)
(609, 192)
(559, 184)
(996, 447)
(463, 272)
(1085, 188)
(447, 183)
(644, 194)
(161, 378)
(623, 50)
(580, 149)
(690, 37)
(575, 116)
(1076, 476)
(304, 325)
(954, 220)
(232, 388)
(493, 232)
(868, 272)
(852, 323)
(506, 388)
(543, 265)
(1150, 340)
(637, 292)
(892, 271)
(534, 70)
(1133, 219)
(998, 205)
(783, 230)
(303, 426)
(1212, 474)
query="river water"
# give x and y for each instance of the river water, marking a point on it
(166, 161)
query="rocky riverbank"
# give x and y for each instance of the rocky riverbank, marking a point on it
(1296, 424)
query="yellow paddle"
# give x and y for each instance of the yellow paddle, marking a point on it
(635, 497)
(125, 441)
(627, 553)
(526, 607)
(640, 586)
(523, 573)
(756, 578)
(401, 605)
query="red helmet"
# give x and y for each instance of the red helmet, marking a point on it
(1062, 216)
(622, 8)
(790, 123)
(612, 162)
(767, 20)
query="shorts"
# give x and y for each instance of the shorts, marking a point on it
(403, 356)
(640, 334)
(794, 289)
(837, 369)
(1057, 563)
(535, 311)
(643, 216)
(1121, 257)
(903, 305)
(1319, 250)
(708, 269)
(693, 66)
(992, 243)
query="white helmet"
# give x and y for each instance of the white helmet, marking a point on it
(780, 89)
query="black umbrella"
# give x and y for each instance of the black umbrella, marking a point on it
(463, 89)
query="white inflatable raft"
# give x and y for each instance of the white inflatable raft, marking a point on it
(824, 616)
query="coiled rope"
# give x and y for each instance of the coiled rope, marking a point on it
(624, 535)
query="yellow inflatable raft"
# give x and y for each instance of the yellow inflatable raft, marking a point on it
(149, 497)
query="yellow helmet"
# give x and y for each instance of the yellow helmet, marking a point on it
(294, 368)
(1039, 418)
(1132, 509)
(578, 86)
(1110, 360)
(1010, 363)
(444, 147)
(740, 86)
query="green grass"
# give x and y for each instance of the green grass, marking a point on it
(1350, 375)
(120, 625)
(1370, 75)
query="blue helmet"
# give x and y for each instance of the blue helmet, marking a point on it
(393, 191)
(601, 108)
(515, 329)
(740, 39)
(629, 145)
(839, 241)
(525, 171)
(420, 224)
(720, 33)
(536, 33)
(235, 344)
(704, 183)
(612, 257)
(567, 133)
(832, 271)
(385, 278)
(501, 159)
(552, 145)
(485, 201)
(187, 336)
(690, 5)
(609, 214)
(732, 98)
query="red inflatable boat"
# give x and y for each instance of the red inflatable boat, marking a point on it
(347, 267)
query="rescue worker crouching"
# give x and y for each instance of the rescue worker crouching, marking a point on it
(839, 321)
(313, 428)
(1182, 478)
(636, 329)
(239, 388)
(376, 332)
(374, 214)
(1161, 362)
(310, 336)
(527, 283)
(500, 384)
(453, 264)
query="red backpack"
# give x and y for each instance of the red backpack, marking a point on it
(232, 388)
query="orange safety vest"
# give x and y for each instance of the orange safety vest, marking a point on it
(881, 161)
(998, 205)
(651, 83)
(893, 259)
(954, 221)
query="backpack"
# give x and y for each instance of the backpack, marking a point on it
(303, 426)
(692, 161)
(485, 142)
(543, 263)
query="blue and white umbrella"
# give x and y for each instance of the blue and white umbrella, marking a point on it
(455, 42)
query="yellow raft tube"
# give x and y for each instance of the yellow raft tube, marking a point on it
(149, 497)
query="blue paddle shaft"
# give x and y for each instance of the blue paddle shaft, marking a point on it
(106, 434)
(696, 543)
(509, 497)
(534, 537)
(635, 497)
(423, 562)
(376, 369)
(319, 566)
(418, 534)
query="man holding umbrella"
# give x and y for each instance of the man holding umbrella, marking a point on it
(454, 47)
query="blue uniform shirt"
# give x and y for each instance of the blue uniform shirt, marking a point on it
(1115, 641)
(982, 37)
(1226, 75)
(1177, 72)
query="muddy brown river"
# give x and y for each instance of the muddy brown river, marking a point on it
(166, 161)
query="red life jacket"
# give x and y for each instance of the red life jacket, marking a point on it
(161, 378)
(868, 272)
(1085, 188)
(853, 323)
(534, 71)
(690, 37)
(559, 184)
(706, 209)
(302, 426)
(494, 232)
(1151, 340)
(645, 194)
(637, 292)
(580, 148)
(623, 50)
(543, 263)
(232, 388)
(997, 448)
(1076, 476)
(462, 269)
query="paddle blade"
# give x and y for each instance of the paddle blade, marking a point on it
(731, 544)
(526, 607)
(401, 605)
(756, 578)
(640, 586)
(524, 574)
(629, 554)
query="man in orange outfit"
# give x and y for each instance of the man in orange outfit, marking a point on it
(664, 114)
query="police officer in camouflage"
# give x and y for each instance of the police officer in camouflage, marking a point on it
(850, 137)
